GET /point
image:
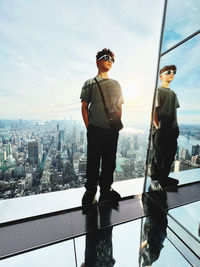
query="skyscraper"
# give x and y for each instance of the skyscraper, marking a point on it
(8, 149)
(33, 152)
(57, 127)
(195, 150)
(184, 154)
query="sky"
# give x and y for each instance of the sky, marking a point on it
(48, 49)
(182, 20)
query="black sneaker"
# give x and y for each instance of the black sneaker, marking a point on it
(171, 181)
(155, 185)
(88, 198)
(110, 195)
(170, 184)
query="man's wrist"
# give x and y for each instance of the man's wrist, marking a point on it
(156, 126)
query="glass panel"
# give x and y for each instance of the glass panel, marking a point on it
(46, 56)
(57, 255)
(192, 243)
(170, 256)
(182, 20)
(186, 86)
(112, 247)
(23, 207)
(188, 216)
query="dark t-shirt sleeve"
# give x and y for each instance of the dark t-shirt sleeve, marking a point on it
(177, 103)
(120, 99)
(161, 99)
(158, 100)
(85, 93)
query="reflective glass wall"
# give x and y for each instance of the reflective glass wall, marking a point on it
(180, 47)
(186, 84)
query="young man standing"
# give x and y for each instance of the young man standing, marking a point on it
(165, 131)
(102, 139)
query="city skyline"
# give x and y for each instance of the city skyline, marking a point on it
(39, 158)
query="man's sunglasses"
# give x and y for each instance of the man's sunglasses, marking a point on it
(107, 58)
(168, 72)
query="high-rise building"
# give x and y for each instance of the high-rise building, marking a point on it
(66, 168)
(74, 148)
(8, 150)
(61, 137)
(33, 152)
(195, 150)
(74, 133)
(184, 154)
(195, 159)
(130, 153)
(45, 179)
(82, 137)
(82, 166)
(136, 142)
(181, 165)
(19, 171)
(2, 156)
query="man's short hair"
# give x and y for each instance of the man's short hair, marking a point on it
(169, 67)
(103, 52)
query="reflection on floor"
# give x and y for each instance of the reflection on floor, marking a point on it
(184, 177)
(146, 212)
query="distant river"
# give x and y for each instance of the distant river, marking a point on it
(185, 142)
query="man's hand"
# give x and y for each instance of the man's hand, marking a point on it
(155, 121)
(84, 110)
(120, 110)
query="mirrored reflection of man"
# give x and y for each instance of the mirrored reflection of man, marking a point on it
(154, 229)
(98, 245)
(99, 250)
(102, 139)
(165, 131)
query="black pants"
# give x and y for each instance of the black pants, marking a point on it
(164, 150)
(102, 145)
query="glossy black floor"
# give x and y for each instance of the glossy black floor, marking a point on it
(149, 220)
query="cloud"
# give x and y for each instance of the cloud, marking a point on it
(180, 23)
(187, 81)
(182, 19)
(48, 51)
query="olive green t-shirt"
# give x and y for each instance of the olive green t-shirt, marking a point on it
(113, 98)
(167, 103)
